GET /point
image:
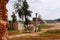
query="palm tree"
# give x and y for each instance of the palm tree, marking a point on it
(22, 9)
(26, 11)
(18, 8)
(13, 17)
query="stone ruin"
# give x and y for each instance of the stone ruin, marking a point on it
(37, 20)
(31, 27)
(19, 26)
(3, 20)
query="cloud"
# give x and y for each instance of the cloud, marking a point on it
(48, 9)
(10, 8)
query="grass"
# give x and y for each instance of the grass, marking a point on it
(26, 38)
(49, 35)
(44, 26)
(49, 32)
(14, 32)
(53, 31)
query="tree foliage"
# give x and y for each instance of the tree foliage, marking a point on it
(22, 8)
(27, 12)
(13, 17)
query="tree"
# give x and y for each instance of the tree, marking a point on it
(13, 17)
(26, 11)
(22, 9)
(18, 9)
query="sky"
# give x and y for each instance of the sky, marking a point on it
(48, 9)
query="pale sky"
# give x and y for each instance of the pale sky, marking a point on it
(48, 9)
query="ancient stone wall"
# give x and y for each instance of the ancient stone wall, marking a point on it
(3, 20)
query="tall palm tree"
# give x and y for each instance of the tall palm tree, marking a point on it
(22, 9)
(26, 11)
(18, 8)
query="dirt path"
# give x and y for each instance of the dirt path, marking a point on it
(56, 27)
(21, 35)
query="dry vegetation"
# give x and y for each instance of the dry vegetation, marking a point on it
(49, 35)
(41, 37)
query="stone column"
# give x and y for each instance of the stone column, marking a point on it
(3, 20)
(36, 25)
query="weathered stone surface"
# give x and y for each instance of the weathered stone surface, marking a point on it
(3, 20)
(31, 27)
(19, 26)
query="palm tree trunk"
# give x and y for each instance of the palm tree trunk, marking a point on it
(22, 19)
(25, 19)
